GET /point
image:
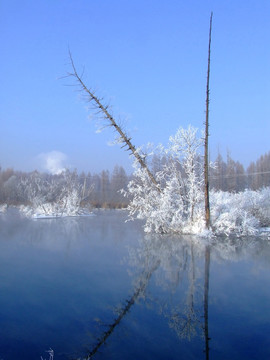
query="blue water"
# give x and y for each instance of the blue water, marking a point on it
(98, 285)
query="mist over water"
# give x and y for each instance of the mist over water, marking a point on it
(99, 286)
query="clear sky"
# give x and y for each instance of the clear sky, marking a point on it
(148, 59)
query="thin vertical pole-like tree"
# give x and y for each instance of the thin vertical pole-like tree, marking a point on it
(206, 160)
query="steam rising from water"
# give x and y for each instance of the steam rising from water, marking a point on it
(54, 161)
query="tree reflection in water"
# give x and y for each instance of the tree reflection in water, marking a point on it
(174, 265)
(206, 295)
(123, 311)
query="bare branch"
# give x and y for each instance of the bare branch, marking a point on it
(103, 109)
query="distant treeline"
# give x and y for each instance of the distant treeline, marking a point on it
(231, 176)
(103, 189)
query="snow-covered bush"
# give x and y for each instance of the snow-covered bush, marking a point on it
(176, 205)
(240, 213)
(55, 196)
(231, 215)
(258, 203)
(3, 208)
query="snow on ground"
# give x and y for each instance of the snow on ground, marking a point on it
(3, 208)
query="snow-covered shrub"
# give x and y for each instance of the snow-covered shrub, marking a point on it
(184, 149)
(240, 213)
(34, 189)
(52, 196)
(3, 208)
(177, 204)
(229, 217)
(70, 203)
(258, 204)
(263, 210)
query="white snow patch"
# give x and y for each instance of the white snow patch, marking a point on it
(3, 208)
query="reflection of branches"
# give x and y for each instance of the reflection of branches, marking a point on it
(177, 259)
(185, 323)
(171, 252)
(122, 312)
(51, 353)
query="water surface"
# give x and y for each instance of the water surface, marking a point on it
(98, 286)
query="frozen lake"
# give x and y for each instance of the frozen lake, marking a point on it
(98, 287)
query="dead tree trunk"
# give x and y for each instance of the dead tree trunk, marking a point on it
(103, 109)
(206, 165)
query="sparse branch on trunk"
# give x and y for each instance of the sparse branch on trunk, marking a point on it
(206, 161)
(103, 109)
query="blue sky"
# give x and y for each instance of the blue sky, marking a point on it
(148, 59)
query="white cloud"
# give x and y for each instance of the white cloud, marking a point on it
(54, 161)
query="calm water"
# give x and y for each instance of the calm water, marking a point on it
(98, 286)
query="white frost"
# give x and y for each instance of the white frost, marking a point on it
(179, 205)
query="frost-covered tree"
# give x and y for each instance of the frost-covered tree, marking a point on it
(184, 148)
(176, 206)
(218, 174)
(47, 195)
(119, 181)
(34, 189)
(259, 172)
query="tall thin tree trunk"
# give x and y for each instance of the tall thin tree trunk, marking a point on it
(206, 161)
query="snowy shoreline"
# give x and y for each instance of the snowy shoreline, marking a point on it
(33, 214)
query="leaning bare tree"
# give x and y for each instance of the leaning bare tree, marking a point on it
(111, 121)
(206, 162)
(126, 140)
